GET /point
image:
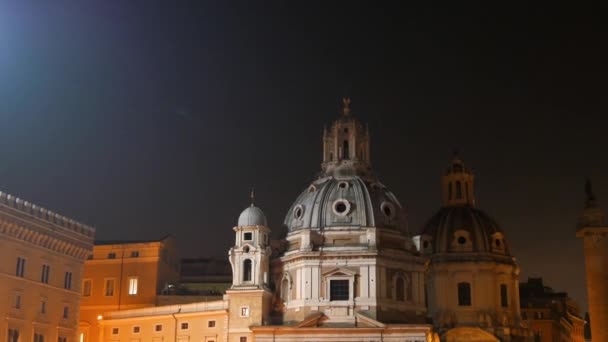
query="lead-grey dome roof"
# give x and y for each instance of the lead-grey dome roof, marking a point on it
(252, 216)
(445, 227)
(346, 201)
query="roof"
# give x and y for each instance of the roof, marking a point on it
(127, 242)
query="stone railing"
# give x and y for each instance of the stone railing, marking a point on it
(168, 310)
(40, 213)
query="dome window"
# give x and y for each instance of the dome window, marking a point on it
(462, 240)
(388, 209)
(298, 212)
(425, 244)
(343, 185)
(497, 243)
(246, 249)
(312, 188)
(341, 207)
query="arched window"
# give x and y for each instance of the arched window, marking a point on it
(345, 150)
(247, 270)
(400, 289)
(458, 190)
(466, 191)
(464, 294)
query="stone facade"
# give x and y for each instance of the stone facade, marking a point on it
(42, 256)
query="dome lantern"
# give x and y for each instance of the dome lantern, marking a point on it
(457, 185)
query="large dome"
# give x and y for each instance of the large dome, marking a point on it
(463, 229)
(345, 201)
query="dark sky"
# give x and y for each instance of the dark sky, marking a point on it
(143, 118)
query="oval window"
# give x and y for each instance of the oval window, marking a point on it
(341, 207)
(462, 240)
(343, 185)
(388, 209)
(298, 212)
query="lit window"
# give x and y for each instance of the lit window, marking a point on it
(248, 236)
(109, 288)
(135, 254)
(44, 276)
(67, 280)
(86, 288)
(244, 311)
(338, 289)
(20, 267)
(211, 324)
(132, 286)
(158, 327)
(115, 331)
(184, 326)
(464, 294)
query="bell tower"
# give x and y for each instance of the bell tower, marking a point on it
(594, 231)
(249, 296)
(457, 185)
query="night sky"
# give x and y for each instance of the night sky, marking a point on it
(144, 118)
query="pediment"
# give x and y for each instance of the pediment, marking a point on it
(339, 272)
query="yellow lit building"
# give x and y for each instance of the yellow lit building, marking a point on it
(122, 275)
(42, 256)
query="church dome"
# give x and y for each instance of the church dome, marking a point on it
(345, 201)
(252, 216)
(464, 229)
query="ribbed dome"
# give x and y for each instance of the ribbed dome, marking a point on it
(252, 216)
(345, 200)
(464, 229)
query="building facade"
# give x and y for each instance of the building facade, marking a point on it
(123, 275)
(42, 256)
(552, 316)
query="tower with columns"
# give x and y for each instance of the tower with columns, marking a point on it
(593, 230)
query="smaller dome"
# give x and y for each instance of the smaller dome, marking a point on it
(252, 216)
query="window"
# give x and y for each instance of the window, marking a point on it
(44, 276)
(43, 306)
(66, 312)
(247, 270)
(158, 327)
(136, 329)
(243, 339)
(184, 326)
(63, 339)
(109, 288)
(135, 254)
(17, 301)
(464, 294)
(115, 331)
(38, 337)
(338, 289)
(67, 280)
(458, 190)
(345, 150)
(400, 289)
(20, 267)
(244, 311)
(13, 335)
(504, 300)
(248, 236)
(132, 286)
(211, 324)
(86, 288)
(450, 191)
(112, 255)
(285, 290)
